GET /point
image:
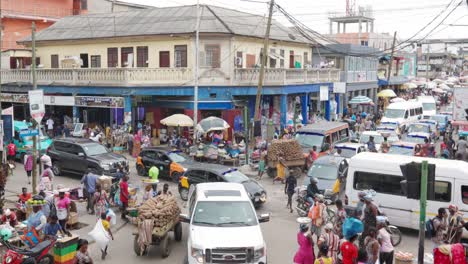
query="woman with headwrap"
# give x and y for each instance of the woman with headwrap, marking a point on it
(305, 254)
(456, 223)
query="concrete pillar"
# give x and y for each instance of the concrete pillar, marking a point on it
(367, 26)
(128, 109)
(360, 31)
(76, 114)
(372, 27)
(339, 27)
(331, 27)
(327, 108)
(339, 108)
(283, 109)
(305, 108)
(344, 27)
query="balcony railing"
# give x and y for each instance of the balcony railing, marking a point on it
(168, 76)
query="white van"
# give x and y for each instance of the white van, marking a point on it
(428, 104)
(381, 172)
(224, 227)
(403, 113)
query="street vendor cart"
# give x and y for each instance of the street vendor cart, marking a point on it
(291, 153)
(157, 217)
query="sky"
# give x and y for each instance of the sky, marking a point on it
(405, 17)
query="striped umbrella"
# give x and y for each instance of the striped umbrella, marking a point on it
(360, 100)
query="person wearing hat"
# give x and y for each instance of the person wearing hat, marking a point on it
(370, 216)
(324, 255)
(312, 191)
(455, 224)
(331, 240)
(9, 217)
(305, 253)
(63, 208)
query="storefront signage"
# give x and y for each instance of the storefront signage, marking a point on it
(59, 100)
(15, 98)
(29, 132)
(98, 101)
(36, 104)
(323, 93)
(339, 87)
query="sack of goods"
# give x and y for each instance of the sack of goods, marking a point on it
(163, 210)
(289, 149)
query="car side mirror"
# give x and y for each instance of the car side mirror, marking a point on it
(184, 218)
(81, 155)
(263, 218)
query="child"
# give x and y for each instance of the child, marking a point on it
(24, 196)
(106, 226)
(51, 228)
(82, 255)
(261, 165)
(148, 193)
(323, 258)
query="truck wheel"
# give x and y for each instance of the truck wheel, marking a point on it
(175, 176)
(178, 232)
(56, 168)
(165, 247)
(271, 172)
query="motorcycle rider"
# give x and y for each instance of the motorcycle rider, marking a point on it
(312, 191)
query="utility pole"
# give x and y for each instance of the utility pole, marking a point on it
(197, 62)
(422, 210)
(263, 63)
(427, 63)
(34, 87)
(1, 109)
(391, 59)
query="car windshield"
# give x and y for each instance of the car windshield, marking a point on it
(347, 152)
(323, 171)
(415, 139)
(401, 150)
(418, 128)
(394, 113)
(309, 140)
(95, 149)
(440, 119)
(235, 176)
(429, 106)
(378, 139)
(224, 213)
(176, 157)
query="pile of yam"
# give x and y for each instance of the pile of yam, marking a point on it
(162, 209)
(289, 149)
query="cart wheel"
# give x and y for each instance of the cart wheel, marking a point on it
(178, 232)
(165, 247)
(136, 247)
(271, 172)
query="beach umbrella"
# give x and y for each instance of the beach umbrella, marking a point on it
(361, 100)
(397, 100)
(212, 123)
(387, 93)
(178, 120)
(410, 85)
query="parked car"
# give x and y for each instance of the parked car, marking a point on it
(171, 164)
(25, 143)
(76, 155)
(326, 169)
(224, 227)
(417, 132)
(219, 173)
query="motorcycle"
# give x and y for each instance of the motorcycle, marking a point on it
(303, 205)
(39, 254)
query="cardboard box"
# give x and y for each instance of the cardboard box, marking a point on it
(73, 218)
(105, 182)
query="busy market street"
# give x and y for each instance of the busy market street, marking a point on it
(233, 131)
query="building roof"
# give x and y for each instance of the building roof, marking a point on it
(124, 3)
(165, 21)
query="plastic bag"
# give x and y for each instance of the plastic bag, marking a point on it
(352, 227)
(110, 214)
(100, 235)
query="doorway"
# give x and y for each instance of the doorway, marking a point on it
(84, 59)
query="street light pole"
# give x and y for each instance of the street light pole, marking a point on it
(197, 59)
(34, 87)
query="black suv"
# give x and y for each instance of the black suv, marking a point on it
(76, 155)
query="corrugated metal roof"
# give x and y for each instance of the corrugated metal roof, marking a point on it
(165, 21)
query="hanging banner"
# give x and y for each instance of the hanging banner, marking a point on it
(99, 101)
(36, 104)
(323, 93)
(339, 87)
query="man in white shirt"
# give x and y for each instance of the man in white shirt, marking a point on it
(50, 126)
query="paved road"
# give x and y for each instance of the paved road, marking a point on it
(279, 233)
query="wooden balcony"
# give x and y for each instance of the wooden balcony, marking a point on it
(168, 76)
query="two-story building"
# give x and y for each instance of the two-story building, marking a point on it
(144, 61)
(358, 67)
(403, 69)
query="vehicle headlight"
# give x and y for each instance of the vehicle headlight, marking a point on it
(197, 254)
(105, 166)
(259, 253)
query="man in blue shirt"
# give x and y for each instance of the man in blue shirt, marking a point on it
(90, 180)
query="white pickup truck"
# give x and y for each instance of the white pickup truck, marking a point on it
(224, 227)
